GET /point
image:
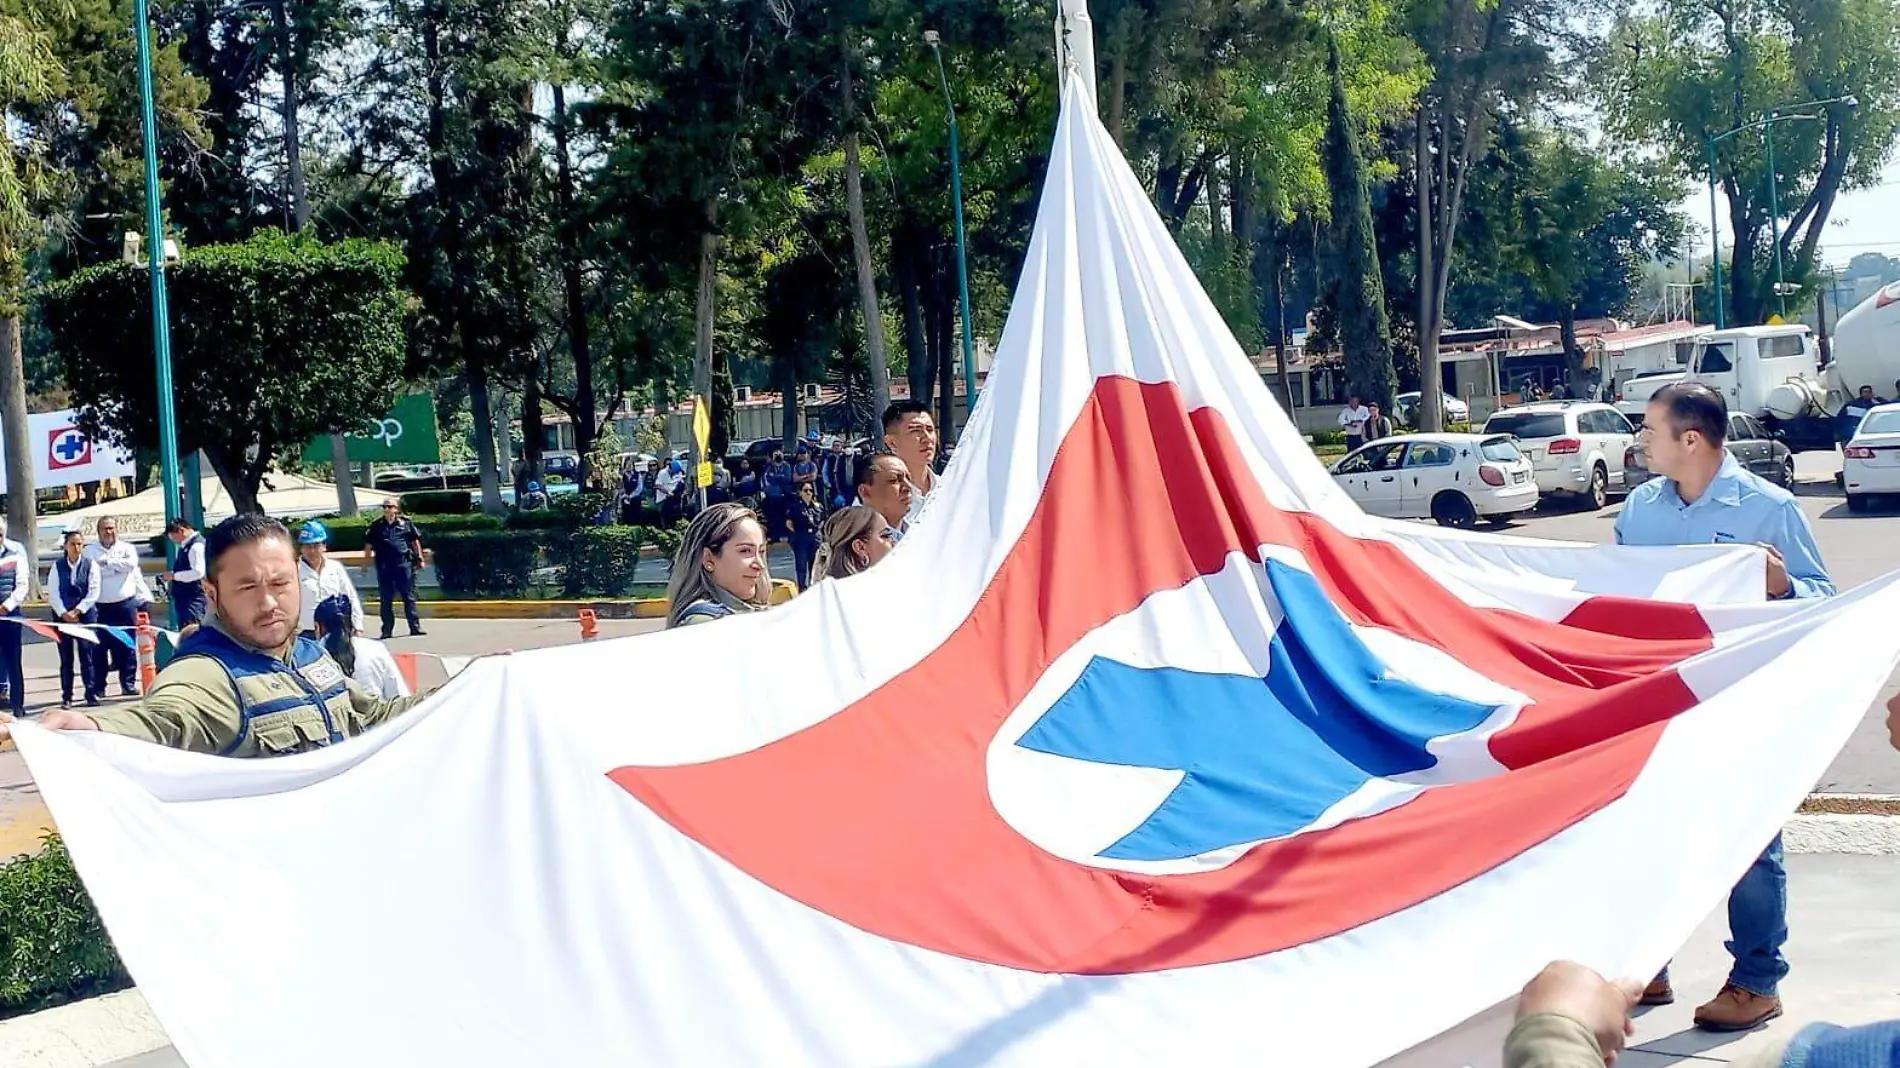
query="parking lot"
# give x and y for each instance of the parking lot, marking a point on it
(1856, 547)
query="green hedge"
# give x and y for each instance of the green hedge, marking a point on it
(598, 561)
(1327, 437)
(438, 502)
(668, 539)
(346, 535)
(53, 949)
(484, 563)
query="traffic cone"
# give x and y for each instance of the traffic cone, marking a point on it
(590, 625)
(148, 652)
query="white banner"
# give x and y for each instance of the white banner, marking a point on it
(64, 455)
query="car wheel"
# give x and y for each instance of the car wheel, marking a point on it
(1787, 472)
(1599, 493)
(1454, 510)
(1857, 502)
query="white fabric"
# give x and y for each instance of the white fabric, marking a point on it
(537, 914)
(117, 568)
(376, 669)
(319, 586)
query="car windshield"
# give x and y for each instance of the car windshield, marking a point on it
(1500, 450)
(1527, 424)
(1881, 423)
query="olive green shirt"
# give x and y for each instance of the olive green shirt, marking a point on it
(194, 706)
(1549, 1040)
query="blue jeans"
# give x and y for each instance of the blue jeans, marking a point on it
(1758, 924)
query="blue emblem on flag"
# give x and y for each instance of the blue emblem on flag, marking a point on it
(1262, 758)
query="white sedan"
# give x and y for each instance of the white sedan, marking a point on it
(1455, 479)
(1871, 462)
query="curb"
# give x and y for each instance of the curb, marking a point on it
(1875, 832)
(84, 1034)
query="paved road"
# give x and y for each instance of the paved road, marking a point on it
(1844, 946)
(1856, 548)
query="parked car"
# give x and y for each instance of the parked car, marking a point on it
(1455, 479)
(1576, 447)
(1753, 445)
(1871, 463)
(1456, 411)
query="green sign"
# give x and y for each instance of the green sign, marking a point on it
(405, 436)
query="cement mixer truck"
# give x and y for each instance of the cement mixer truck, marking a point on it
(1775, 372)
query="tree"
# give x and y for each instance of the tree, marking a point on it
(274, 342)
(27, 72)
(1484, 58)
(1685, 71)
(1356, 287)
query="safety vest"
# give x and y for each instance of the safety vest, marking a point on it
(287, 707)
(187, 593)
(73, 579)
(12, 556)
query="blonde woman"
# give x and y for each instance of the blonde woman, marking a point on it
(721, 568)
(855, 538)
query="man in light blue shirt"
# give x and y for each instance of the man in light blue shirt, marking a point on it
(1706, 498)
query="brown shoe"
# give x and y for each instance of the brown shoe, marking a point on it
(1735, 1009)
(1658, 992)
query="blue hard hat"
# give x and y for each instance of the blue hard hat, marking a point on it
(313, 533)
(534, 487)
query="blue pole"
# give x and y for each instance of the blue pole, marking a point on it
(155, 239)
(963, 255)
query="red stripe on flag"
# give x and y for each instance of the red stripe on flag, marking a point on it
(406, 667)
(44, 630)
(1144, 497)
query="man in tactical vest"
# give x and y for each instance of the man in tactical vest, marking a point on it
(187, 584)
(244, 684)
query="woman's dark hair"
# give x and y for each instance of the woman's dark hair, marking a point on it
(239, 530)
(333, 618)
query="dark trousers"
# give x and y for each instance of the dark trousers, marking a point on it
(123, 660)
(804, 551)
(12, 672)
(394, 582)
(91, 657)
(188, 603)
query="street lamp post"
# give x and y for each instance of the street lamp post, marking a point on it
(1794, 113)
(155, 240)
(963, 256)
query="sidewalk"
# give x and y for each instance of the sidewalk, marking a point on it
(1845, 947)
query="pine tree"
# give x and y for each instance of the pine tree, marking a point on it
(1356, 288)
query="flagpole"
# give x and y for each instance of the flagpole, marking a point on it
(1079, 43)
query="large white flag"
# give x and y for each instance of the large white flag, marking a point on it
(1147, 747)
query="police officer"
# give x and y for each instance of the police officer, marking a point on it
(1706, 498)
(187, 583)
(244, 684)
(396, 545)
(16, 577)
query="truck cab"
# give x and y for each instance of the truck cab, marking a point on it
(1770, 372)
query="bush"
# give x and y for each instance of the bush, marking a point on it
(347, 534)
(438, 502)
(1321, 438)
(580, 509)
(669, 539)
(543, 520)
(53, 948)
(484, 563)
(599, 561)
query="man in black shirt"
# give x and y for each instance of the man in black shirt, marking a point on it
(396, 545)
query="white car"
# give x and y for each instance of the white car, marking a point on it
(1455, 479)
(1577, 447)
(1871, 462)
(1456, 411)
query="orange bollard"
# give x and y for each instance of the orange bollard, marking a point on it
(590, 625)
(148, 652)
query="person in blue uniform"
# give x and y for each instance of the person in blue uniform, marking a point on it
(1706, 498)
(187, 584)
(72, 596)
(16, 578)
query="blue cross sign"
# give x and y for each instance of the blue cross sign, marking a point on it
(69, 448)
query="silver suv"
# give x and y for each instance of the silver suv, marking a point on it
(1575, 447)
